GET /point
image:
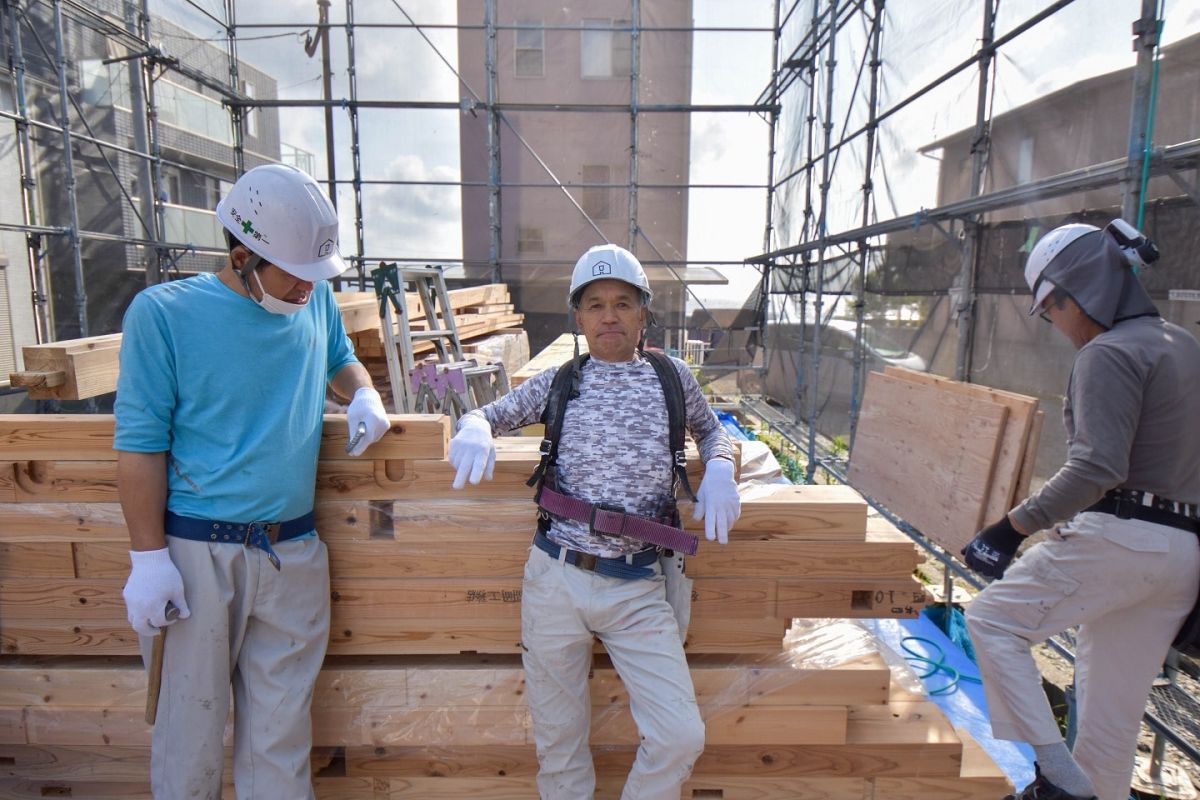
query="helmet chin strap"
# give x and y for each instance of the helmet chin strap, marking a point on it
(252, 263)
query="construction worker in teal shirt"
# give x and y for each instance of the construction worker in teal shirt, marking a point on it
(218, 423)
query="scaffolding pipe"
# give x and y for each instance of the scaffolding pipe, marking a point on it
(137, 107)
(1145, 33)
(38, 280)
(806, 232)
(103, 145)
(864, 247)
(235, 111)
(327, 94)
(1185, 155)
(822, 221)
(68, 162)
(972, 227)
(1044, 14)
(763, 312)
(355, 149)
(493, 140)
(635, 68)
(477, 103)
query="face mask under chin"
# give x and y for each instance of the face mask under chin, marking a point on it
(273, 304)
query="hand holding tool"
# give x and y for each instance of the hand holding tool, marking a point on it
(359, 434)
(367, 420)
(154, 671)
(153, 584)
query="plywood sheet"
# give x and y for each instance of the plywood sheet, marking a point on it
(927, 455)
(1022, 410)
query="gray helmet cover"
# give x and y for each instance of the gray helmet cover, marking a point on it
(1095, 273)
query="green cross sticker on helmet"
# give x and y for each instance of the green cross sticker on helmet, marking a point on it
(281, 215)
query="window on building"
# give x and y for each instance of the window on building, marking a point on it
(606, 48)
(530, 240)
(251, 114)
(530, 49)
(596, 199)
(1025, 160)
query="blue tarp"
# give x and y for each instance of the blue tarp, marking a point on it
(964, 706)
(730, 423)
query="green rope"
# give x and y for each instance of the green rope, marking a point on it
(935, 665)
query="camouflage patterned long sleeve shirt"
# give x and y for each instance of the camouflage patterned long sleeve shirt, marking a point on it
(614, 444)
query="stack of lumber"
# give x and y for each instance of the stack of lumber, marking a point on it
(820, 720)
(947, 457)
(479, 312)
(421, 695)
(77, 369)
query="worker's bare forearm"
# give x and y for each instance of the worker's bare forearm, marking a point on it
(142, 488)
(349, 379)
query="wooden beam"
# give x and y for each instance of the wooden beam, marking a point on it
(74, 369)
(1029, 460)
(88, 437)
(553, 355)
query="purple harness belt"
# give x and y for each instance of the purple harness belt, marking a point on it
(614, 521)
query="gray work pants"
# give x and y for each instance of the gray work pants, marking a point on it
(1128, 584)
(261, 630)
(562, 607)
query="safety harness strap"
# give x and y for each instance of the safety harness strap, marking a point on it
(613, 521)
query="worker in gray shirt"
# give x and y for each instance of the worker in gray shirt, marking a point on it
(1124, 563)
(591, 571)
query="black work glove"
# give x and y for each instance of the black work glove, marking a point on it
(992, 549)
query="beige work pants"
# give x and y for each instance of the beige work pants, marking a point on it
(562, 607)
(1128, 584)
(264, 631)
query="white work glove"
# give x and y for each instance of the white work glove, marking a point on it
(717, 502)
(367, 407)
(472, 451)
(152, 584)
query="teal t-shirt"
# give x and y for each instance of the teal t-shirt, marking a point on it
(233, 393)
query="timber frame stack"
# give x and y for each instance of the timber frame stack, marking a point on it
(421, 695)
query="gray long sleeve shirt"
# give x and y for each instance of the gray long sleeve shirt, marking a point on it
(614, 444)
(1132, 414)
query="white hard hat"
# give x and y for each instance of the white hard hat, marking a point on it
(608, 261)
(282, 216)
(1043, 253)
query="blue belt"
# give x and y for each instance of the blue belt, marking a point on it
(637, 566)
(248, 534)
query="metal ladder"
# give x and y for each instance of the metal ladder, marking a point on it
(445, 382)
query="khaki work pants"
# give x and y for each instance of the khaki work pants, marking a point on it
(264, 631)
(1128, 584)
(562, 607)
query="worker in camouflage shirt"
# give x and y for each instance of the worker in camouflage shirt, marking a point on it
(579, 583)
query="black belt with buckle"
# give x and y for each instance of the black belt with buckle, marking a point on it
(248, 534)
(1136, 504)
(637, 565)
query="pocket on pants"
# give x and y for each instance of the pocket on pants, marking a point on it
(537, 564)
(1037, 586)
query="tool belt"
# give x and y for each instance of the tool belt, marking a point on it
(631, 567)
(248, 534)
(612, 520)
(1136, 504)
